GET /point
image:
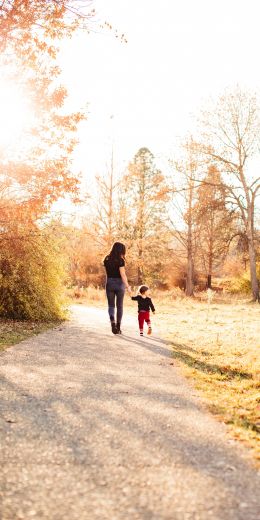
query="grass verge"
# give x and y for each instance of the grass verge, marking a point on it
(14, 331)
(218, 346)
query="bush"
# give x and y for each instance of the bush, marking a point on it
(241, 284)
(31, 276)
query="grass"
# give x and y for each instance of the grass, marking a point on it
(14, 331)
(216, 341)
(217, 345)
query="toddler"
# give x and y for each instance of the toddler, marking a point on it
(144, 305)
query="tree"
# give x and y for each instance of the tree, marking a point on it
(38, 170)
(39, 22)
(146, 195)
(183, 201)
(231, 138)
(189, 219)
(30, 35)
(214, 222)
(105, 207)
(85, 256)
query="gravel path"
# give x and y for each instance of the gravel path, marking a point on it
(95, 426)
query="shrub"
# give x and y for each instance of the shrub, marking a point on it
(241, 284)
(31, 276)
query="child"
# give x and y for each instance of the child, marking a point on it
(144, 305)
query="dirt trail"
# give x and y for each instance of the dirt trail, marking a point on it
(95, 426)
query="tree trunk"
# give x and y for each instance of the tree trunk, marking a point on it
(110, 201)
(210, 266)
(251, 251)
(189, 281)
(141, 226)
(139, 269)
(253, 274)
(210, 258)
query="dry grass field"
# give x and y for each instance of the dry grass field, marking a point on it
(216, 341)
(218, 345)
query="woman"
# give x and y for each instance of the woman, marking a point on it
(116, 283)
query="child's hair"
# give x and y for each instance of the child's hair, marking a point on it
(143, 289)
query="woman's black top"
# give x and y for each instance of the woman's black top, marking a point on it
(112, 267)
(144, 304)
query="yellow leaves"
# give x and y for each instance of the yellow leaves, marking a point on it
(32, 289)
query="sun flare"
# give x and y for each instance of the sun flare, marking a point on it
(16, 115)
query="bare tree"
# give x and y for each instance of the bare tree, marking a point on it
(105, 207)
(183, 203)
(231, 138)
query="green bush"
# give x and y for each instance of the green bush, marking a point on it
(242, 284)
(31, 277)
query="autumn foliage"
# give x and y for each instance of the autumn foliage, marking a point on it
(186, 227)
(32, 271)
(37, 170)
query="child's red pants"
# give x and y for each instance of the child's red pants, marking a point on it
(142, 317)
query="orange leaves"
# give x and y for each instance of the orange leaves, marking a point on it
(58, 96)
(118, 35)
(162, 194)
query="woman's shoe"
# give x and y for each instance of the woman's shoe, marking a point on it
(114, 327)
(118, 329)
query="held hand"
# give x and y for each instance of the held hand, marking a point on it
(129, 290)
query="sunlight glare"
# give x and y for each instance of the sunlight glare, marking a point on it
(16, 115)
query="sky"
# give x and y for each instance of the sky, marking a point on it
(148, 91)
(178, 54)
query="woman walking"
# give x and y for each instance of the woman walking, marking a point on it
(116, 284)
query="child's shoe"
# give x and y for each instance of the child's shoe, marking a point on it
(149, 332)
(141, 333)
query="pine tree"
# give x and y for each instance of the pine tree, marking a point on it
(145, 194)
(214, 223)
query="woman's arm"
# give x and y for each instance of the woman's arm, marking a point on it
(124, 278)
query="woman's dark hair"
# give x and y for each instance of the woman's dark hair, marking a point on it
(117, 252)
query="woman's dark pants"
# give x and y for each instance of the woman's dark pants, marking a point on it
(115, 290)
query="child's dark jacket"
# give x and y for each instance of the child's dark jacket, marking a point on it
(144, 304)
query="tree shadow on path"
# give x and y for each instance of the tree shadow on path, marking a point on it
(83, 401)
